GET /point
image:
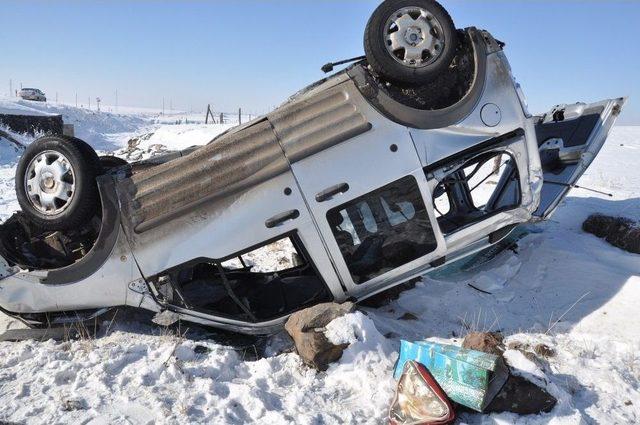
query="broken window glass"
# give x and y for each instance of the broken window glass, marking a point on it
(275, 257)
(485, 185)
(264, 283)
(442, 204)
(383, 230)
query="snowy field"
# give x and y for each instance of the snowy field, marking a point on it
(561, 287)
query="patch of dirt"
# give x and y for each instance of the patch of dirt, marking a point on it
(620, 232)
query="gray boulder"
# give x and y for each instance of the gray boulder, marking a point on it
(522, 397)
(487, 342)
(620, 232)
(307, 327)
(518, 395)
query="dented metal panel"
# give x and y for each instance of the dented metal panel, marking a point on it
(232, 164)
(318, 122)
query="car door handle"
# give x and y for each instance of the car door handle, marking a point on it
(329, 193)
(280, 219)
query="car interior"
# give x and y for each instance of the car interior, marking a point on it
(483, 186)
(258, 285)
(383, 230)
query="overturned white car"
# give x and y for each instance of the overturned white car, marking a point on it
(413, 158)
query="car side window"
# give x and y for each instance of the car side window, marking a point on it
(404, 211)
(383, 230)
(259, 284)
(482, 187)
(368, 218)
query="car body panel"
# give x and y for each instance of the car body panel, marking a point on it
(87, 284)
(363, 162)
(239, 222)
(569, 138)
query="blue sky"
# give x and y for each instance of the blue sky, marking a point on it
(253, 54)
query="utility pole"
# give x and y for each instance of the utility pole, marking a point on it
(116, 100)
(56, 97)
(239, 116)
(76, 99)
(89, 102)
(170, 105)
(163, 106)
(10, 87)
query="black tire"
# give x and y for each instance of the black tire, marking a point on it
(83, 204)
(383, 62)
(109, 162)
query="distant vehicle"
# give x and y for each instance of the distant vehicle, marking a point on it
(418, 156)
(32, 94)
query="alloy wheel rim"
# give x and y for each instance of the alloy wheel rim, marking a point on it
(50, 182)
(414, 37)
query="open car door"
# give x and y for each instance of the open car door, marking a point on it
(570, 137)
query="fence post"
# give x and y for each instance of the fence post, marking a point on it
(221, 118)
(209, 114)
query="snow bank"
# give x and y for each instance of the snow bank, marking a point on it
(103, 130)
(525, 367)
(9, 151)
(8, 200)
(124, 377)
(173, 137)
(183, 136)
(365, 371)
(22, 107)
(131, 378)
(9, 154)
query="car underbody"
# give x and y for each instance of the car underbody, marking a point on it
(353, 186)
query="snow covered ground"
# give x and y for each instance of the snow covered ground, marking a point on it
(172, 137)
(561, 287)
(110, 131)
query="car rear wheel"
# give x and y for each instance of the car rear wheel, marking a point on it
(56, 182)
(410, 41)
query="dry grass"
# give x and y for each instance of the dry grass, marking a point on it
(482, 321)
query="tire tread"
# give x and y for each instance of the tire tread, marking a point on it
(381, 61)
(87, 169)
